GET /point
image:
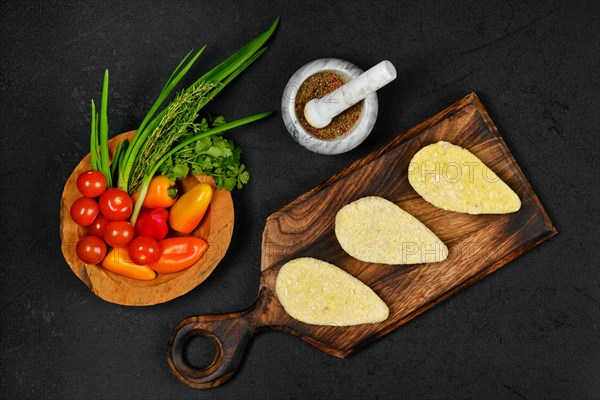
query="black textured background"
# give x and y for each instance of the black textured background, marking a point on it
(529, 331)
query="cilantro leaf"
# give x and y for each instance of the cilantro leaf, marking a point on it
(202, 145)
(214, 156)
(179, 171)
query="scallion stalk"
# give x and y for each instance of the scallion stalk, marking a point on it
(94, 140)
(104, 157)
(220, 76)
(143, 131)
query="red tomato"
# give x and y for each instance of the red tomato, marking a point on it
(116, 204)
(143, 250)
(118, 233)
(84, 210)
(98, 226)
(91, 249)
(91, 183)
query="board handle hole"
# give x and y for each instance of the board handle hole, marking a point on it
(200, 351)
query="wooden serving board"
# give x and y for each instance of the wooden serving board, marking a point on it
(478, 245)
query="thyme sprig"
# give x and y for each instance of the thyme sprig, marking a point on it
(176, 122)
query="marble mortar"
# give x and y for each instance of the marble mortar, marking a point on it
(355, 136)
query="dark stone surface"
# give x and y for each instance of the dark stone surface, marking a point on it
(529, 331)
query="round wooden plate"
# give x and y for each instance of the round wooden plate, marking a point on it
(216, 228)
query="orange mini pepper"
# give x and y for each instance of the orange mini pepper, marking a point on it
(188, 211)
(178, 253)
(118, 261)
(162, 193)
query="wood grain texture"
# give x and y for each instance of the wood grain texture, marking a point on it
(478, 244)
(216, 228)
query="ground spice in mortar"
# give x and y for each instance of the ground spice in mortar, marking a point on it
(317, 86)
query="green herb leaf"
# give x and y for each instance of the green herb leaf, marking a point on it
(203, 145)
(220, 120)
(243, 176)
(230, 183)
(214, 156)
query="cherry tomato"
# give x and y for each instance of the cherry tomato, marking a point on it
(116, 204)
(91, 183)
(143, 250)
(91, 249)
(98, 226)
(118, 233)
(84, 210)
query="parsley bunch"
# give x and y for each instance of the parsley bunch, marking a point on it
(212, 155)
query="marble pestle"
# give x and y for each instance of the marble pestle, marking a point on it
(320, 112)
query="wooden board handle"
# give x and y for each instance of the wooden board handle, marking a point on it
(231, 334)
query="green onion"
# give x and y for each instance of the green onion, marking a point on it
(143, 131)
(104, 157)
(114, 166)
(152, 132)
(99, 158)
(94, 140)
